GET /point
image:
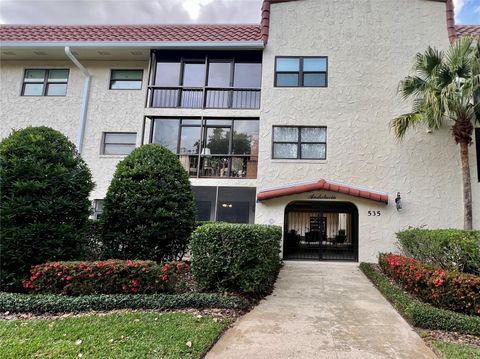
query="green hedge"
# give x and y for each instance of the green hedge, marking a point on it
(40, 303)
(451, 249)
(450, 290)
(112, 276)
(420, 314)
(236, 257)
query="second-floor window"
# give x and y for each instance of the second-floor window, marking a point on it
(206, 80)
(211, 147)
(45, 82)
(126, 79)
(301, 72)
(299, 142)
(118, 143)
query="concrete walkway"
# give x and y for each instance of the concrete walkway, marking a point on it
(322, 311)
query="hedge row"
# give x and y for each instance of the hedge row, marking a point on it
(449, 290)
(107, 277)
(236, 257)
(40, 303)
(450, 249)
(421, 314)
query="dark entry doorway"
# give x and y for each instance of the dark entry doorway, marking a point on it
(317, 230)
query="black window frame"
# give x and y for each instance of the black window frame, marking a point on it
(103, 144)
(204, 125)
(45, 82)
(125, 89)
(206, 58)
(299, 143)
(300, 71)
(98, 208)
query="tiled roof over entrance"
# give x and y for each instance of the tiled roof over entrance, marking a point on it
(322, 184)
(131, 33)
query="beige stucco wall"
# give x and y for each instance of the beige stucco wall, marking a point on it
(370, 46)
(108, 111)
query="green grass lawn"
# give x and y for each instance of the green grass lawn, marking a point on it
(456, 351)
(116, 335)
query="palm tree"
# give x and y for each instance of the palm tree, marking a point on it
(445, 89)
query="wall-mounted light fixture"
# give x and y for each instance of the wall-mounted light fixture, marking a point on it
(398, 201)
(227, 205)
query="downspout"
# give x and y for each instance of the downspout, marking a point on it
(85, 98)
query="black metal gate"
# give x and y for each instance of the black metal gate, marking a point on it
(309, 235)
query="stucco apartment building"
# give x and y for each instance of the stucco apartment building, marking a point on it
(285, 122)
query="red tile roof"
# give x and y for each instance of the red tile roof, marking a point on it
(322, 184)
(466, 30)
(134, 33)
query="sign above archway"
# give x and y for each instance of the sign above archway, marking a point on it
(322, 184)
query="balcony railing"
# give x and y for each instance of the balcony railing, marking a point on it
(219, 166)
(204, 97)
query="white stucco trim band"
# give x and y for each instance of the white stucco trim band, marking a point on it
(137, 44)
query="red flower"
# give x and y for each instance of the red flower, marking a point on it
(135, 282)
(164, 277)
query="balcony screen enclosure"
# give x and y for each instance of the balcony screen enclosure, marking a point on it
(318, 230)
(198, 79)
(213, 147)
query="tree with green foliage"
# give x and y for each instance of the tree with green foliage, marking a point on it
(149, 209)
(445, 89)
(44, 206)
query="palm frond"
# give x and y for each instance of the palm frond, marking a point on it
(427, 63)
(403, 123)
(411, 86)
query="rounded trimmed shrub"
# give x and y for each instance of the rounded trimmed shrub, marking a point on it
(149, 210)
(44, 206)
(236, 257)
(451, 249)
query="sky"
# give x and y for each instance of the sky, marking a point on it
(158, 11)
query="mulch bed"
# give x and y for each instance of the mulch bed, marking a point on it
(450, 337)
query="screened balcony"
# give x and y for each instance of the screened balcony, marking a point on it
(218, 148)
(205, 80)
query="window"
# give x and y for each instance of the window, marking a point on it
(196, 79)
(299, 143)
(211, 147)
(97, 208)
(301, 71)
(118, 143)
(477, 145)
(52, 82)
(126, 80)
(225, 204)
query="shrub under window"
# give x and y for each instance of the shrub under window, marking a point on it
(149, 210)
(236, 257)
(44, 187)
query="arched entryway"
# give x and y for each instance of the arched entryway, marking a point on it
(321, 230)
